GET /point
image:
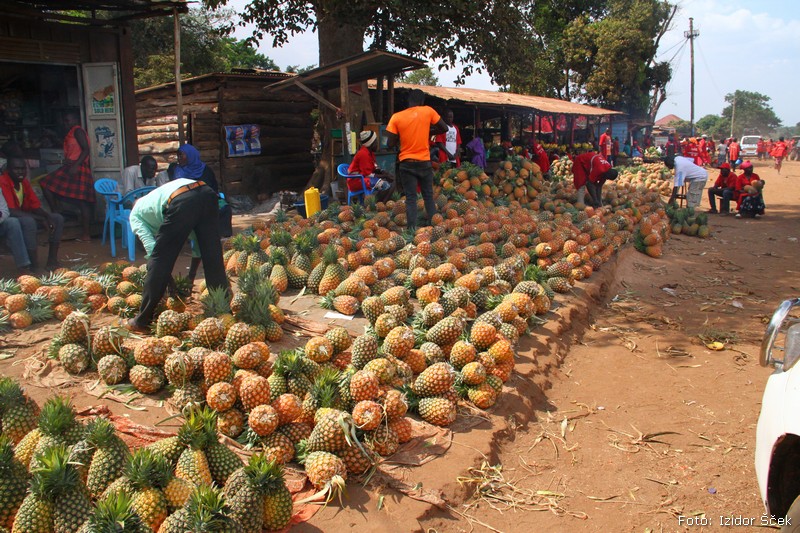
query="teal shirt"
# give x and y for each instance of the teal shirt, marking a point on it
(147, 215)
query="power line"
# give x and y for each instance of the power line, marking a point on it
(708, 71)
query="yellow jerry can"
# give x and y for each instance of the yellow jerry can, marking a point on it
(313, 205)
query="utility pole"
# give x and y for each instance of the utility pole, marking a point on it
(691, 35)
(733, 113)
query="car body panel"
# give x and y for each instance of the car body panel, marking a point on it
(783, 388)
(749, 145)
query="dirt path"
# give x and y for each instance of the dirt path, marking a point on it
(657, 425)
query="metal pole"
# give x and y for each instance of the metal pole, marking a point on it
(178, 88)
(691, 34)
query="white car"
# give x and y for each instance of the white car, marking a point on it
(749, 145)
(778, 431)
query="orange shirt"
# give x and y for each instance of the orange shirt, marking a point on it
(72, 150)
(413, 126)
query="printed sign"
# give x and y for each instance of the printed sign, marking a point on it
(243, 140)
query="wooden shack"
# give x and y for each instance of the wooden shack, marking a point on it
(255, 141)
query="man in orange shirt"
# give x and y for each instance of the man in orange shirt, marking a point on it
(779, 151)
(411, 129)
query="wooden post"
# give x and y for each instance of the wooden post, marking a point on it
(178, 88)
(390, 90)
(344, 89)
(379, 100)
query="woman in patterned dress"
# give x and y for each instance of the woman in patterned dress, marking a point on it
(73, 182)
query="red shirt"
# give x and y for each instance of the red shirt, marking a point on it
(779, 150)
(761, 146)
(724, 182)
(363, 163)
(742, 181)
(589, 167)
(543, 161)
(691, 150)
(605, 144)
(733, 151)
(29, 199)
(442, 138)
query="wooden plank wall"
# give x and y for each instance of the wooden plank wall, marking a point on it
(209, 105)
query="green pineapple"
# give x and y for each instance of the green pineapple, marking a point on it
(148, 475)
(208, 510)
(13, 483)
(57, 425)
(61, 486)
(18, 413)
(248, 488)
(115, 514)
(305, 243)
(110, 457)
(329, 256)
(222, 461)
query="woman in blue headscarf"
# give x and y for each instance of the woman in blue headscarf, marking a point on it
(191, 167)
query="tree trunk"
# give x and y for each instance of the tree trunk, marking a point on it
(338, 40)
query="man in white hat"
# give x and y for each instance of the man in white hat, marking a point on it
(364, 163)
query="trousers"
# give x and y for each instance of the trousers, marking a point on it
(11, 232)
(410, 174)
(725, 194)
(196, 210)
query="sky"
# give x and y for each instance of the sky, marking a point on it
(743, 45)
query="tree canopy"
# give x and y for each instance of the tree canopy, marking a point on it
(423, 76)
(205, 47)
(753, 113)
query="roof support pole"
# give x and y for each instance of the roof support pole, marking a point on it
(344, 90)
(178, 88)
(379, 99)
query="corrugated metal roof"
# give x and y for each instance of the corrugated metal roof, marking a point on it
(502, 99)
(113, 11)
(360, 67)
(263, 75)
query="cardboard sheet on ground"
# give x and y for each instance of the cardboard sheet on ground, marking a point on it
(131, 400)
(46, 374)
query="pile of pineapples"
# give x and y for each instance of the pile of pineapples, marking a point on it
(61, 474)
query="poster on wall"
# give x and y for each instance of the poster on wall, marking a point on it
(105, 143)
(243, 140)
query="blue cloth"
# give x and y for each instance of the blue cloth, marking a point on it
(194, 168)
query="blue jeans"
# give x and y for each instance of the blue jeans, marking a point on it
(411, 173)
(11, 231)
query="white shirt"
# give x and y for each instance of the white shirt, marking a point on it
(131, 179)
(686, 170)
(4, 213)
(450, 143)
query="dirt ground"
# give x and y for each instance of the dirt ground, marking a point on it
(619, 418)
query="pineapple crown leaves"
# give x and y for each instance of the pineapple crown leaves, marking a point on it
(330, 255)
(183, 286)
(280, 237)
(147, 469)
(101, 433)
(11, 394)
(216, 302)
(264, 474)
(4, 323)
(53, 278)
(412, 399)
(85, 270)
(281, 216)
(6, 453)
(288, 364)
(196, 431)
(57, 416)
(278, 256)
(9, 285)
(76, 296)
(255, 307)
(326, 302)
(56, 475)
(55, 345)
(115, 513)
(208, 510)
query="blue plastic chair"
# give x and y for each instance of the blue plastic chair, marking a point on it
(108, 188)
(364, 192)
(121, 214)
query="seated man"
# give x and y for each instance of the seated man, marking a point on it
(725, 188)
(25, 206)
(11, 233)
(749, 201)
(364, 164)
(142, 175)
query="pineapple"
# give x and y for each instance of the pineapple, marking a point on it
(169, 322)
(217, 367)
(207, 510)
(180, 367)
(114, 513)
(147, 379)
(148, 475)
(319, 349)
(74, 357)
(435, 380)
(18, 413)
(364, 385)
(383, 440)
(437, 410)
(247, 489)
(222, 461)
(57, 425)
(364, 349)
(327, 473)
(62, 488)
(75, 328)
(107, 341)
(446, 332)
(109, 459)
(254, 391)
(151, 352)
(13, 483)
(263, 419)
(367, 415)
(340, 339)
(238, 335)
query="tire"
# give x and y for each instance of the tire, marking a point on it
(793, 517)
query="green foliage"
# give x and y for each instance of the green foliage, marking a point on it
(714, 126)
(753, 112)
(205, 47)
(423, 76)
